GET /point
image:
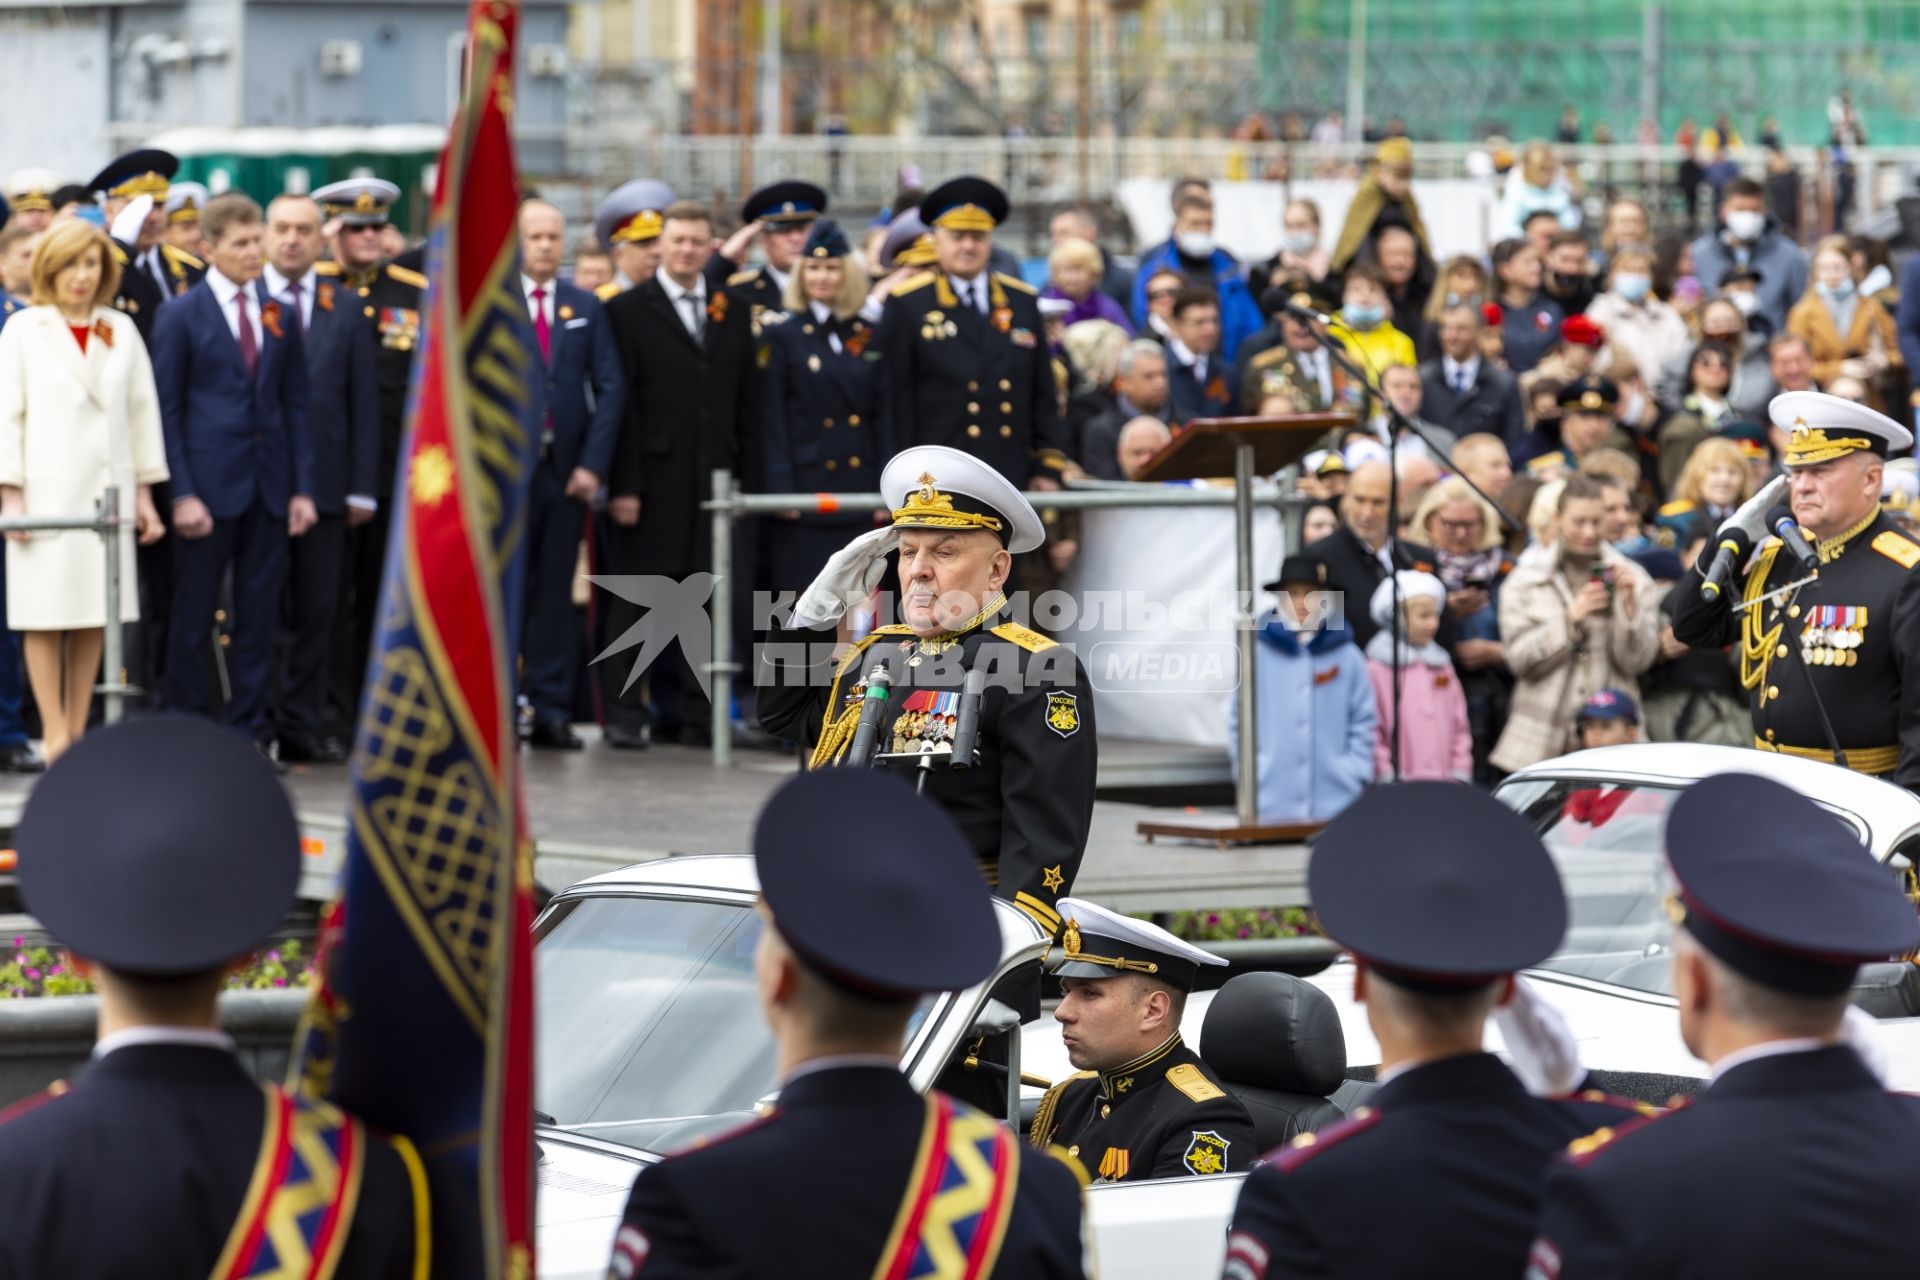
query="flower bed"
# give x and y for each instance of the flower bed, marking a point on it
(1266, 922)
(36, 970)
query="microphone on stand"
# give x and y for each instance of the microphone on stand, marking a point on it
(966, 724)
(1734, 548)
(873, 711)
(1794, 542)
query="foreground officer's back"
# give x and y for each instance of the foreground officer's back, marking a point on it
(853, 1173)
(1452, 1136)
(165, 1159)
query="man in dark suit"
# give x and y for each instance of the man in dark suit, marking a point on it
(1462, 392)
(576, 402)
(1356, 553)
(1795, 1159)
(1452, 1124)
(966, 351)
(167, 809)
(232, 376)
(1200, 381)
(687, 360)
(344, 418)
(844, 1165)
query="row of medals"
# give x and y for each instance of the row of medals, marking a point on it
(1830, 647)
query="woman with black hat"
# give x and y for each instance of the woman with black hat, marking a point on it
(822, 431)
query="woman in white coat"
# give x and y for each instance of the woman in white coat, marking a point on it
(78, 412)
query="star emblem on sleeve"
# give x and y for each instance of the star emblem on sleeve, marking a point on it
(1053, 879)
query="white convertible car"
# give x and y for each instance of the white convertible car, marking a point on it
(650, 1035)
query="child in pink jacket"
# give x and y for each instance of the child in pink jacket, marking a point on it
(1435, 741)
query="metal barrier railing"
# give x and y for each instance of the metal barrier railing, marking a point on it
(729, 504)
(113, 688)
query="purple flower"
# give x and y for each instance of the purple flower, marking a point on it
(34, 974)
(1244, 931)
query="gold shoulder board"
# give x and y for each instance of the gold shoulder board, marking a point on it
(1031, 641)
(1014, 282)
(742, 277)
(326, 268)
(119, 254)
(608, 291)
(1678, 507)
(911, 283)
(1187, 1079)
(1897, 548)
(405, 276)
(182, 256)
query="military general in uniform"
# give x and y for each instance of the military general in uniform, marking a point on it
(165, 1158)
(1025, 798)
(1461, 1142)
(781, 215)
(1143, 1105)
(966, 350)
(1795, 1160)
(1838, 642)
(851, 1173)
(628, 224)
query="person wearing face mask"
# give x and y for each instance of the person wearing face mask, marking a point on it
(1569, 278)
(1748, 238)
(1753, 384)
(1635, 320)
(1702, 410)
(1363, 324)
(1300, 252)
(1850, 335)
(1196, 255)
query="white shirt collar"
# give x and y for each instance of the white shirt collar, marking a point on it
(822, 313)
(1182, 354)
(1454, 368)
(840, 1061)
(779, 277)
(278, 284)
(978, 284)
(528, 284)
(1768, 1049)
(193, 1037)
(675, 293)
(225, 289)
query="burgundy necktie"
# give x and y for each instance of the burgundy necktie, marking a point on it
(541, 329)
(299, 316)
(249, 351)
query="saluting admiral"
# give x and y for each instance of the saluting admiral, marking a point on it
(166, 1158)
(150, 172)
(628, 225)
(1795, 1160)
(1460, 1140)
(780, 215)
(138, 173)
(1026, 804)
(851, 1172)
(1845, 638)
(966, 349)
(1143, 1105)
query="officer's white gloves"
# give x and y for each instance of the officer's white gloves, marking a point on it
(1751, 518)
(126, 227)
(850, 577)
(1540, 1047)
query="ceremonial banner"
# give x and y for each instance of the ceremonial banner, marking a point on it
(422, 1021)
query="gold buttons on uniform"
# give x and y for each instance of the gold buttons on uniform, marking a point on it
(1780, 651)
(1793, 611)
(972, 407)
(829, 424)
(973, 433)
(369, 313)
(854, 462)
(1074, 1150)
(1769, 735)
(1773, 691)
(831, 464)
(853, 419)
(1006, 433)
(1105, 1110)
(1005, 407)
(1005, 385)
(973, 386)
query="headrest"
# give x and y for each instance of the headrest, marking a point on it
(1275, 1031)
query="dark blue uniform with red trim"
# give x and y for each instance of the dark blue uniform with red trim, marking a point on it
(1788, 1166)
(1464, 1149)
(841, 1180)
(143, 1167)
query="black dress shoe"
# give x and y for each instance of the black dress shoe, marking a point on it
(21, 758)
(554, 735)
(628, 738)
(325, 749)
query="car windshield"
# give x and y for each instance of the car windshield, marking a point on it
(648, 1015)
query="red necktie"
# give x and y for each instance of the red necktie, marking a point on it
(249, 351)
(541, 329)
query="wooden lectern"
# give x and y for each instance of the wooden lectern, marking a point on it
(1205, 449)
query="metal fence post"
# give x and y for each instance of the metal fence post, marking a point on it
(720, 661)
(113, 687)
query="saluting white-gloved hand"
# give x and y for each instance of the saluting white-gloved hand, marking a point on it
(1539, 1044)
(850, 576)
(1751, 518)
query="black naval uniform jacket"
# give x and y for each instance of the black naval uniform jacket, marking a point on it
(141, 1168)
(1460, 1148)
(1163, 1115)
(139, 294)
(757, 291)
(1855, 630)
(1798, 1164)
(1026, 807)
(982, 384)
(389, 298)
(815, 1187)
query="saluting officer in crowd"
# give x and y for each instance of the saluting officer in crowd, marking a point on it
(1143, 1105)
(389, 298)
(824, 407)
(851, 1172)
(628, 225)
(1453, 1131)
(143, 289)
(1795, 1160)
(166, 1158)
(966, 349)
(780, 216)
(1027, 802)
(1843, 644)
